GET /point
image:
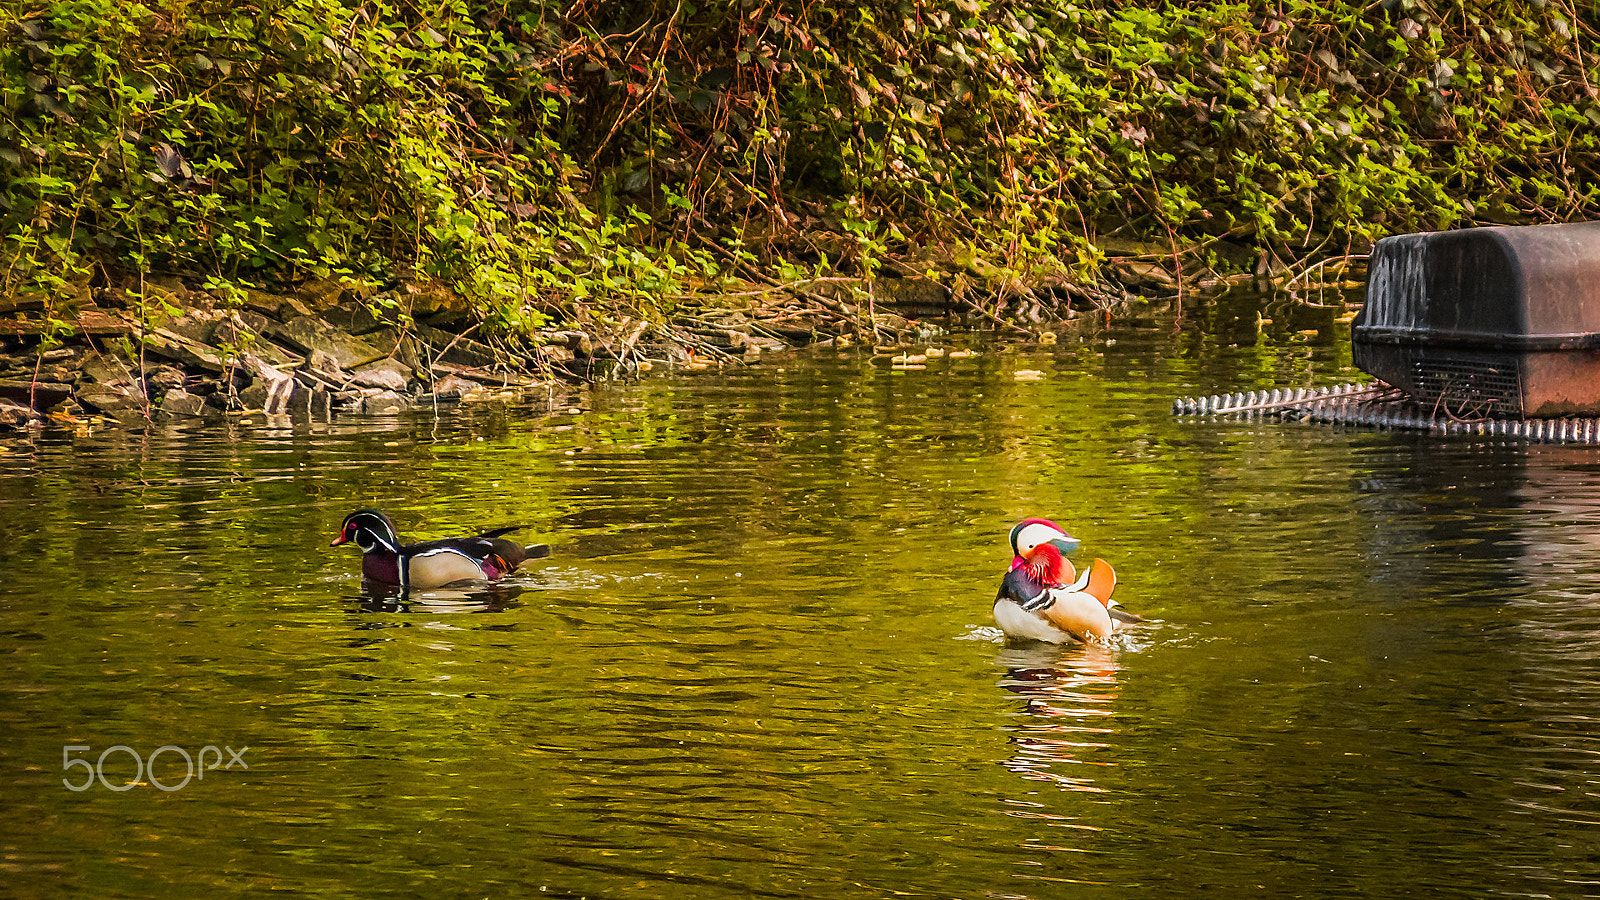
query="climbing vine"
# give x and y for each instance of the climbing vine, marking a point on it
(551, 160)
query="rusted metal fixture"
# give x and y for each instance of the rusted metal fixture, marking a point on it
(1377, 405)
(1499, 323)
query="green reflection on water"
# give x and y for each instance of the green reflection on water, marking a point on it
(761, 662)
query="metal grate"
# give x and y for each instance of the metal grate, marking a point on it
(1468, 388)
(1378, 405)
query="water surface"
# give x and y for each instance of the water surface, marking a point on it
(761, 662)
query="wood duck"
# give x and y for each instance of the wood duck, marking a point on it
(431, 564)
(1043, 598)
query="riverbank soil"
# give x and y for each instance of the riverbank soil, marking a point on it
(165, 351)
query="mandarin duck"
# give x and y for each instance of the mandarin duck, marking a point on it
(1044, 599)
(431, 564)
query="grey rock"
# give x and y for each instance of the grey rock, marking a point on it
(383, 403)
(240, 332)
(308, 333)
(451, 387)
(262, 302)
(322, 294)
(314, 402)
(105, 368)
(174, 288)
(271, 397)
(21, 303)
(255, 395)
(206, 387)
(181, 404)
(259, 367)
(354, 317)
(397, 344)
(170, 292)
(254, 321)
(196, 325)
(272, 390)
(292, 308)
(454, 349)
(388, 374)
(168, 344)
(42, 394)
(111, 399)
(323, 366)
(15, 415)
(162, 379)
(58, 373)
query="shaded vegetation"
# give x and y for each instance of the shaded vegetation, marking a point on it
(556, 161)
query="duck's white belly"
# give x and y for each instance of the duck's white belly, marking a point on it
(1018, 622)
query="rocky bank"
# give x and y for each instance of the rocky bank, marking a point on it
(167, 351)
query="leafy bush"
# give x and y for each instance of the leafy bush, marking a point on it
(542, 158)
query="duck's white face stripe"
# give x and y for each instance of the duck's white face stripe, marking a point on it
(1033, 535)
(369, 540)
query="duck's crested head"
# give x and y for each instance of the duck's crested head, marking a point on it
(1031, 534)
(370, 529)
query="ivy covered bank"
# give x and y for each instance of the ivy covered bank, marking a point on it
(601, 168)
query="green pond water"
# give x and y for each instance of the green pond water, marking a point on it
(760, 662)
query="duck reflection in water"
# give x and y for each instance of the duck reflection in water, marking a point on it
(1067, 716)
(388, 598)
